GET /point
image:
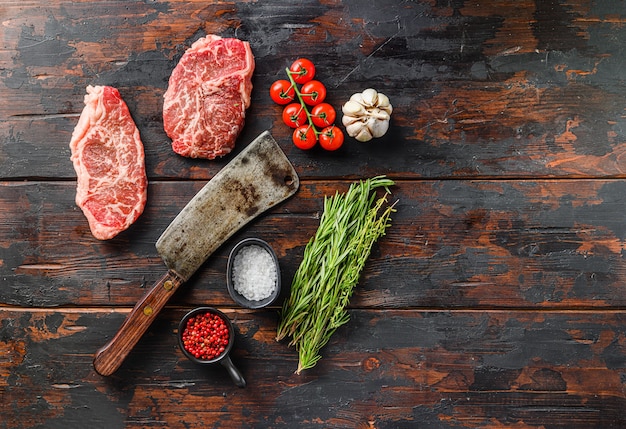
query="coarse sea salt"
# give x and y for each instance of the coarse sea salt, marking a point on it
(254, 273)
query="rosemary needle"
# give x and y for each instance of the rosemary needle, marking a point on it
(331, 266)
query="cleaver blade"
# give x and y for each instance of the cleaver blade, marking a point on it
(257, 179)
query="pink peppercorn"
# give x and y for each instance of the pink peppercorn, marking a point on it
(205, 336)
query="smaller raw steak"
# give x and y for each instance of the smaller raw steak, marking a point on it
(108, 157)
(209, 90)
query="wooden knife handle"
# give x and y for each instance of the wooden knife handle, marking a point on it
(109, 358)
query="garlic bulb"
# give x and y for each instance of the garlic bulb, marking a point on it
(366, 115)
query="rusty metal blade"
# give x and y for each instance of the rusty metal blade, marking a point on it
(257, 179)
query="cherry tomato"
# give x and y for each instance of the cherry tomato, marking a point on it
(302, 70)
(323, 115)
(294, 115)
(304, 137)
(331, 138)
(313, 92)
(282, 92)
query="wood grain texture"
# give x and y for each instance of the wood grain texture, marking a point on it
(449, 369)
(496, 299)
(510, 89)
(110, 357)
(454, 243)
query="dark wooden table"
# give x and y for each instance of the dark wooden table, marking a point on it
(497, 298)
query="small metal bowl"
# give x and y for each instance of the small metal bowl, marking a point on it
(236, 296)
(224, 358)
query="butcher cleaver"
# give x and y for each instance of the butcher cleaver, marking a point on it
(257, 179)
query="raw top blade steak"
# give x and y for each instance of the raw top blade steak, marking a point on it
(209, 90)
(108, 157)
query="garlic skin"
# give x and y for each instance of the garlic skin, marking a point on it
(366, 115)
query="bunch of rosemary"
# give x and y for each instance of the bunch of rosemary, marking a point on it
(330, 269)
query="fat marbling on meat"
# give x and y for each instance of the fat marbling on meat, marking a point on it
(208, 93)
(108, 157)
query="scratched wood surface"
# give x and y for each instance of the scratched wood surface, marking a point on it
(496, 300)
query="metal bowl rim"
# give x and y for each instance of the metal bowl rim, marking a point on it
(236, 296)
(197, 310)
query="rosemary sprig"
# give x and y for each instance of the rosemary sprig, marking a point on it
(331, 266)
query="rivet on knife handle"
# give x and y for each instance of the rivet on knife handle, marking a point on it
(109, 358)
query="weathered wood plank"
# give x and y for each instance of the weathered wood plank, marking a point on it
(450, 369)
(496, 299)
(504, 89)
(479, 244)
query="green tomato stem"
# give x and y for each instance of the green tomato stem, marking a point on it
(309, 117)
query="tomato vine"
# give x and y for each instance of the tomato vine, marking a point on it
(319, 120)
